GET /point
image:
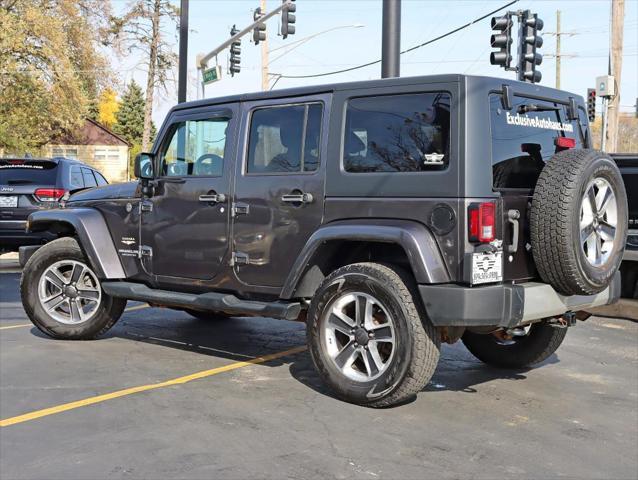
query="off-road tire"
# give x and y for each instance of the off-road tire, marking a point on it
(541, 342)
(418, 344)
(67, 248)
(555, 222)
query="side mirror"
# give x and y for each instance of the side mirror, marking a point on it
(144, 166)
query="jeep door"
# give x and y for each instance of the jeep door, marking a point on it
(279, 186)
(184, 228)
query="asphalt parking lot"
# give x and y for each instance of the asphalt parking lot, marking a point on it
(164, 395)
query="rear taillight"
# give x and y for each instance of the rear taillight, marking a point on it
(482, 222)
(565, 142)
(49, 194)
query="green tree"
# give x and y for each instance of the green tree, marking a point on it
(130, 119)
(51, 68)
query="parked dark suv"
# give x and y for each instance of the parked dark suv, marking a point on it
(390, 215)
(28, 185)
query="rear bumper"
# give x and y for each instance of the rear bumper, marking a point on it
(505, 305)
(14, 235)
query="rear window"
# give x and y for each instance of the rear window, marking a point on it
(397, 133)
(523, 141)
(25, 172)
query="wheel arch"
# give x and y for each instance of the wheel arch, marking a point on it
(406, 243)
(89, 226)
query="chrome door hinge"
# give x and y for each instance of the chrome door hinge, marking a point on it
(240, 209)
(239, 258)
(146, 206)
(145, 251)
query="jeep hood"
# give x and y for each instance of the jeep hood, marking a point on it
(117, 190)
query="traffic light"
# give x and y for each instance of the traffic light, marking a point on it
(288, 19)
(235, 52)
(529, 42)
(259, 32)
(591, 104)
(502, 41)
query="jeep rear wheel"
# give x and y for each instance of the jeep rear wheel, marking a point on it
(367, 338)
(579, 221)
(62, 296)
(537, 344)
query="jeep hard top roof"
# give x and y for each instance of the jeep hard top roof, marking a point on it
(482, 82)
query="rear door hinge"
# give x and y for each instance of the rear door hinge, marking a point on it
(239, 258)
(240, 209)
(146, 206)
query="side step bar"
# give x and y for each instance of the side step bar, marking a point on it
(218, 302)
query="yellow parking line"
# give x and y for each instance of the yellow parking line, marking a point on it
(130, 309)
(16, 326)
(143, 388)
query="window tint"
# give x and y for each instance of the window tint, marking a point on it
(196, 149)
(100, 179)
(523, 141)
(285, 139)
(89, 180)
(397, 133)
(76, 178)
(25, 172)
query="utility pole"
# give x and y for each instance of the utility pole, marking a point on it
(391, 39)
(558, 49)
(264, 54)
(183, 52)
(615, 69)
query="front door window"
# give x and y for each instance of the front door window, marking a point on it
(196, 149)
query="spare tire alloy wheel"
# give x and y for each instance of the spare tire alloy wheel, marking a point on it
(579, 221)
(598, 220)
(359, 336)
(69, 292)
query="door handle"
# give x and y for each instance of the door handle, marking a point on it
(512, 217)
(298, 198)
(213, 198)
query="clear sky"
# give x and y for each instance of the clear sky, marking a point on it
(464, 52)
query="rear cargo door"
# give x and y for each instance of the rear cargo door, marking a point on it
(523, 140)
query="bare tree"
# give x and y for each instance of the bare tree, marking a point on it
(144, 28)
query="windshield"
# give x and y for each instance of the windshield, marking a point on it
(26, 172)
(523, 141)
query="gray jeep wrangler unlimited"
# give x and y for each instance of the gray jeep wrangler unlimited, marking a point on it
(390, 215)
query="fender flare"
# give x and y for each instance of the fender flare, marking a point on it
(416, 239)
(93, 235)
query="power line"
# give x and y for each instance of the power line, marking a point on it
(451, 32)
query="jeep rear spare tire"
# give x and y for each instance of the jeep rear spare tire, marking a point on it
(579, 221)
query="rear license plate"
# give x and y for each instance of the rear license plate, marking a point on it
(487, 267)
(8, 202)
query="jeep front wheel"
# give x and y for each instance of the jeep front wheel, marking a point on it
(62, 295)
(368, 337)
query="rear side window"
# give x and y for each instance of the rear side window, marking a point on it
(28, 172)
(397, 133)
(285, 139)
(100, 179)
(89, 179)
(522, 141)
(77, 181)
